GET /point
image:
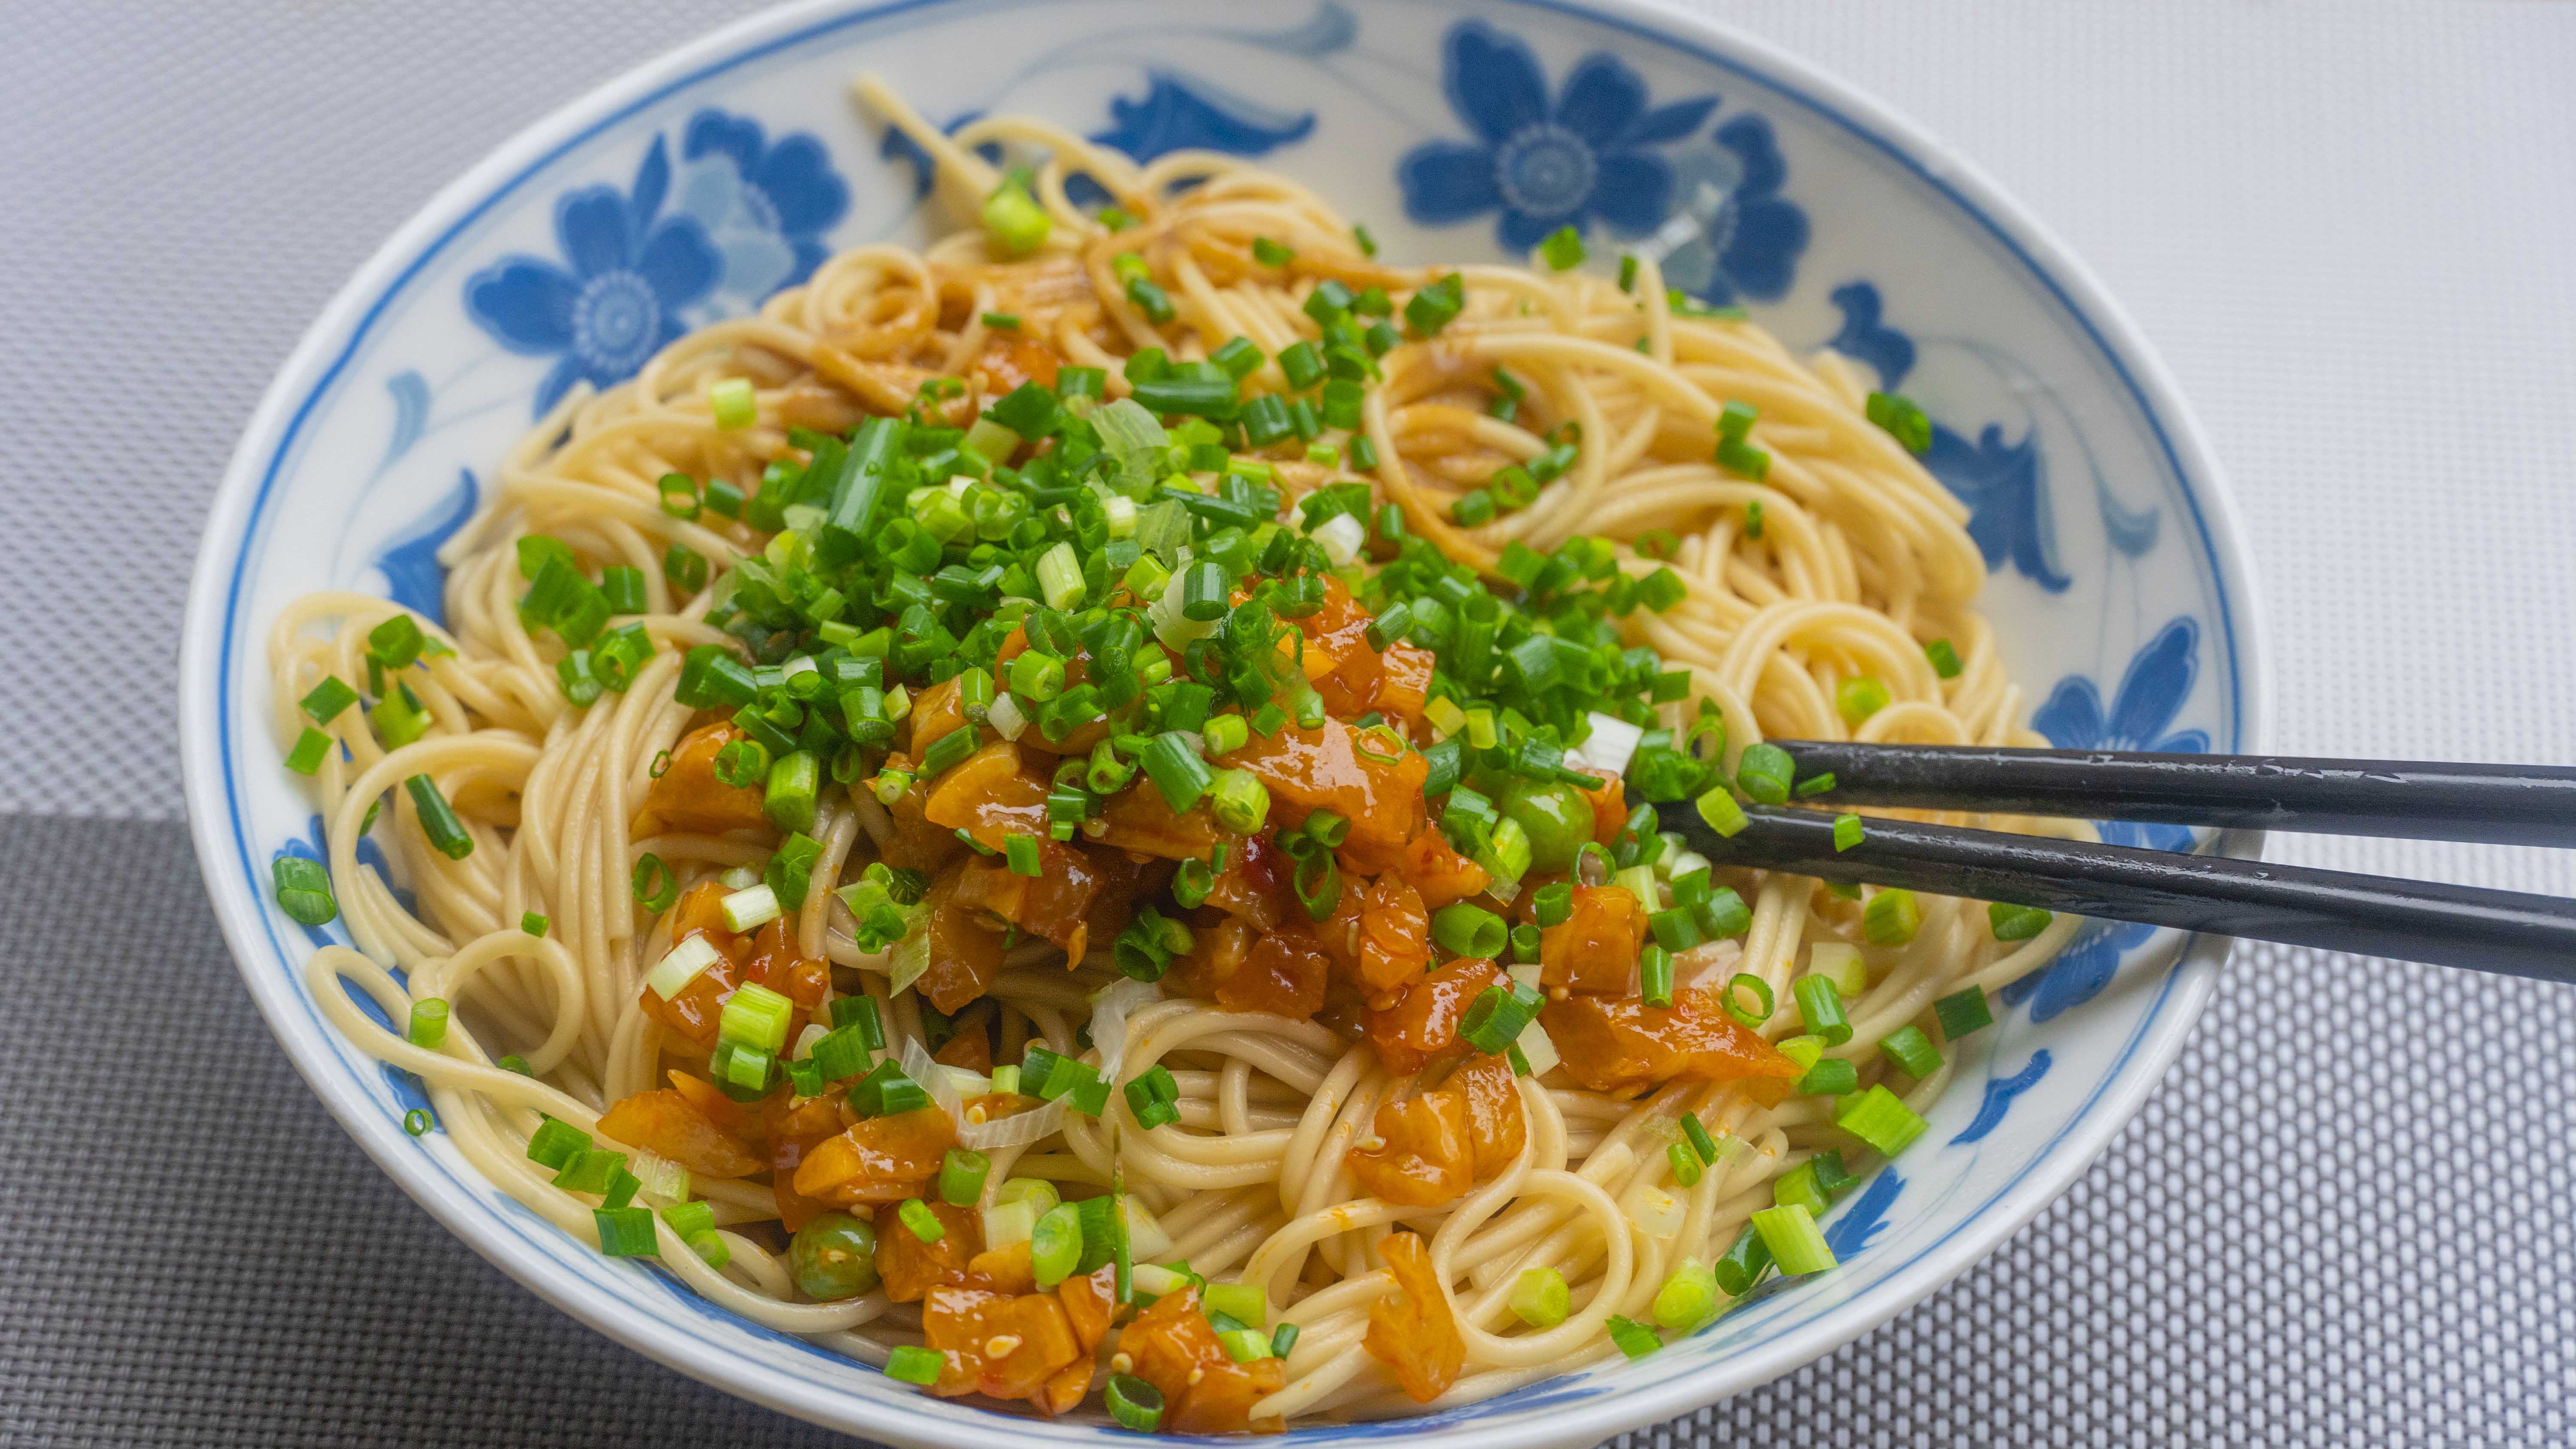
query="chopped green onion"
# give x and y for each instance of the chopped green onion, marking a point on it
(1891, 918)
(1015, 221)
(1177, 770)
(1880, 1118)
(1754, 1012)
(1744, 1263)
(733, 402)
(1635, 1339)
(1829, 1077)
(1820, 1009)
(1963, 1013)
(1847, 832)
(1060, 577)
(910, 1363)
(1763, 771)
(961, 1176)
(1910, 1052)
(1655, 976)
(653, 885)
(626, 1232)
(1702, 1145)
(1540, 1297)
(1462, 929)
(328, 699)
(1688, 1296)
(1736, 419)
(1134, 1403)
(554, 1143)
(1055, 1244)
(1719, 809)
(1563, 249)
(1858, 699)
(437, 820)
(1022, 855)
(1686, 1166)
(1903, 420)
(756, 1016)
(1944, 657)
(311, 748)
(918, 1219)
(2017, 923)
(418, 1121)
(1241, 803)
(428, 1028)
(533, 924)
(303, 890)
(1794, 1242)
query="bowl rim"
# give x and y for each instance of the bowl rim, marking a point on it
(214, 592)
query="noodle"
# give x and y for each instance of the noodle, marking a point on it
(1838, 564)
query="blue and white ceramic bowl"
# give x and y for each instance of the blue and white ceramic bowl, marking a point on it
(1457, 129)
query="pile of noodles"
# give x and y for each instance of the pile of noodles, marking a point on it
(1860, 560)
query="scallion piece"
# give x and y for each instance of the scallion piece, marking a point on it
(533, 924)
(1015, 221)
(327, 699)
(1752, 1009)
(1880, 1118)
(1829, 1077)
(1635, 1339)
(1963, 1013)
(1563, 249)
(626, 1232)
(1687, 1297)
(918, 1219)
(734, 403)
(303, 890)
(1540, 1297)
(1655, 975)
(1944, 657)
(438, 820)
(1744, 1263)
(1820, 1009)
(1462, 929)
(1790, 1234)
(1891, 918)
(2017, 923)
(1719, 809)
(1134, 1403)
(1177, 770)
(1910, 1052)
(428, 1027)
(1858, 699)
(911, 1363)
(1686, 1166)
(756, 1016)
(1763, 772)
(961, 1176)
(1847, 832)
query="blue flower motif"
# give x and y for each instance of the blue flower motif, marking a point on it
(2151, 693)
(1543, 165)
(414, 578)
(1867, 337)
(1748, 238)
(765, 204)
(2008, 512)
(616, 298)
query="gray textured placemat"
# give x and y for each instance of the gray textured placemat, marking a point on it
(2344, 1218)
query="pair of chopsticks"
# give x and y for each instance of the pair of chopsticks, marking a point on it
(2507, 932)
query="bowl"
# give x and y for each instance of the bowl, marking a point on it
(1460, 129)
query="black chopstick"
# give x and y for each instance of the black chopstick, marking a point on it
(2502, 804)
(2506, 932)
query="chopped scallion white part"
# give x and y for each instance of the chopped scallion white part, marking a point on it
(1839, 963)
(1658, 1213)
(675, 971)
(1340, 538)
(749, 910)
(661, 1177)
(1612, 743)
(1009, 1223)
(1004, 715)
(740, 878)
(1536, 1047)
(969, 1083)
(1121, 510)
(814, 1031)
(1157, 1280)
(1145, 1235)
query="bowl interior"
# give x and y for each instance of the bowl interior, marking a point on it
(1455, 130)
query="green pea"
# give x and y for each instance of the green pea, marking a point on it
(1555, 816)
(834, 1257)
